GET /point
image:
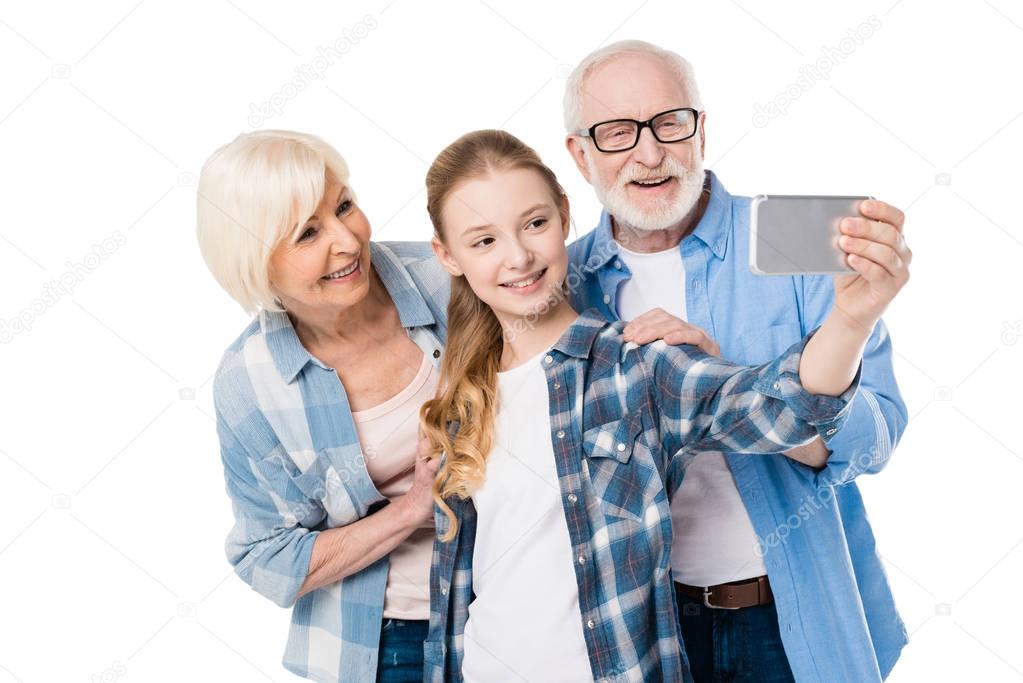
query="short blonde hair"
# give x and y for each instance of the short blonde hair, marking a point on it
(252, 192)
(577, 79)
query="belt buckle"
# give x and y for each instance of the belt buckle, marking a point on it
(706, 601)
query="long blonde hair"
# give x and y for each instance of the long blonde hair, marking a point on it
(460, 420)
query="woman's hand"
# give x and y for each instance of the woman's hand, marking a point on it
(657, 323)
(877, 251)
(342, 551)
(418, 500)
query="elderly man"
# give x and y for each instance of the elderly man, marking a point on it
(773, 557)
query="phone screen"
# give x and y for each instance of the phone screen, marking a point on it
(798, 234)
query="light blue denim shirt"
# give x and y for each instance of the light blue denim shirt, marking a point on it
(836, 613)
(294, 467)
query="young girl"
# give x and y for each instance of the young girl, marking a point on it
(558, 436)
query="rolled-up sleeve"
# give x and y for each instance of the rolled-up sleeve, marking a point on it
(877, 416)
(709, 404)
(271, 543)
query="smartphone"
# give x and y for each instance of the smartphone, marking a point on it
(798, 234)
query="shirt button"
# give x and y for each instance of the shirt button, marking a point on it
(830, 432)
(436, 353)
(557, 385)
(618, 265)
(777, 386)
(620, 447)
(572, 498)
(561, 433)
(443, 591)
(607, 298)
(548, 359)
(582, 559)
(695, 284)
(590, 623)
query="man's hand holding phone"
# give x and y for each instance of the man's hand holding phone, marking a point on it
(876, 249)
(859, 241)
(866, 254)
(877, 252)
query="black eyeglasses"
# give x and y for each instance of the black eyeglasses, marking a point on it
(621, 135)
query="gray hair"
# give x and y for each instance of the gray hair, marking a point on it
(574, 86)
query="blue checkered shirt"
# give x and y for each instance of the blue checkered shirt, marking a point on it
(624, 419)
(294, 467)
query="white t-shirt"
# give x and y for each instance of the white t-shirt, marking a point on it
(658, 281)
(525, 623)
(713, 540)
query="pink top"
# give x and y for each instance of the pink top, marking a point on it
(389, 434)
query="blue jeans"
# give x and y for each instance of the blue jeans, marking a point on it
(400, 657)
(733, 646)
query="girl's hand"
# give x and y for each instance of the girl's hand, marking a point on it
(877, 251)
(657, 323)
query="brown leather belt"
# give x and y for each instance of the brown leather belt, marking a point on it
(748, 593)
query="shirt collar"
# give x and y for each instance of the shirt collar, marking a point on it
(577, 340)
(411, 305)
(712, 229)
(286, 349)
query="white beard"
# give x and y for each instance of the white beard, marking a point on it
(666, 213)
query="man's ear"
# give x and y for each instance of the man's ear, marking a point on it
(575, 146)
(444, 256)
(703, 134)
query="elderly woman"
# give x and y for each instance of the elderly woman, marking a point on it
(317, 405)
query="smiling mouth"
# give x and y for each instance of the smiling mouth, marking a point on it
(526, 281)
(652, 182)
(343, 272)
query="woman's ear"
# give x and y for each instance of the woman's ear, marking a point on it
(445, 258)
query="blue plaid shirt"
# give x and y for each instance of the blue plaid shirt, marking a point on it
(294, 467)
(623, 418)
(828, 582)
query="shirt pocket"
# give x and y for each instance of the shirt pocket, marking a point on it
(613, 439)
(622, 484)
(326, 490)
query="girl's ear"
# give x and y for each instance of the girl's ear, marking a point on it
(445, 258)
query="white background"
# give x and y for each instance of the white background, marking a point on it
(111, 489)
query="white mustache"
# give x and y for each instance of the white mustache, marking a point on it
(669, 167)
